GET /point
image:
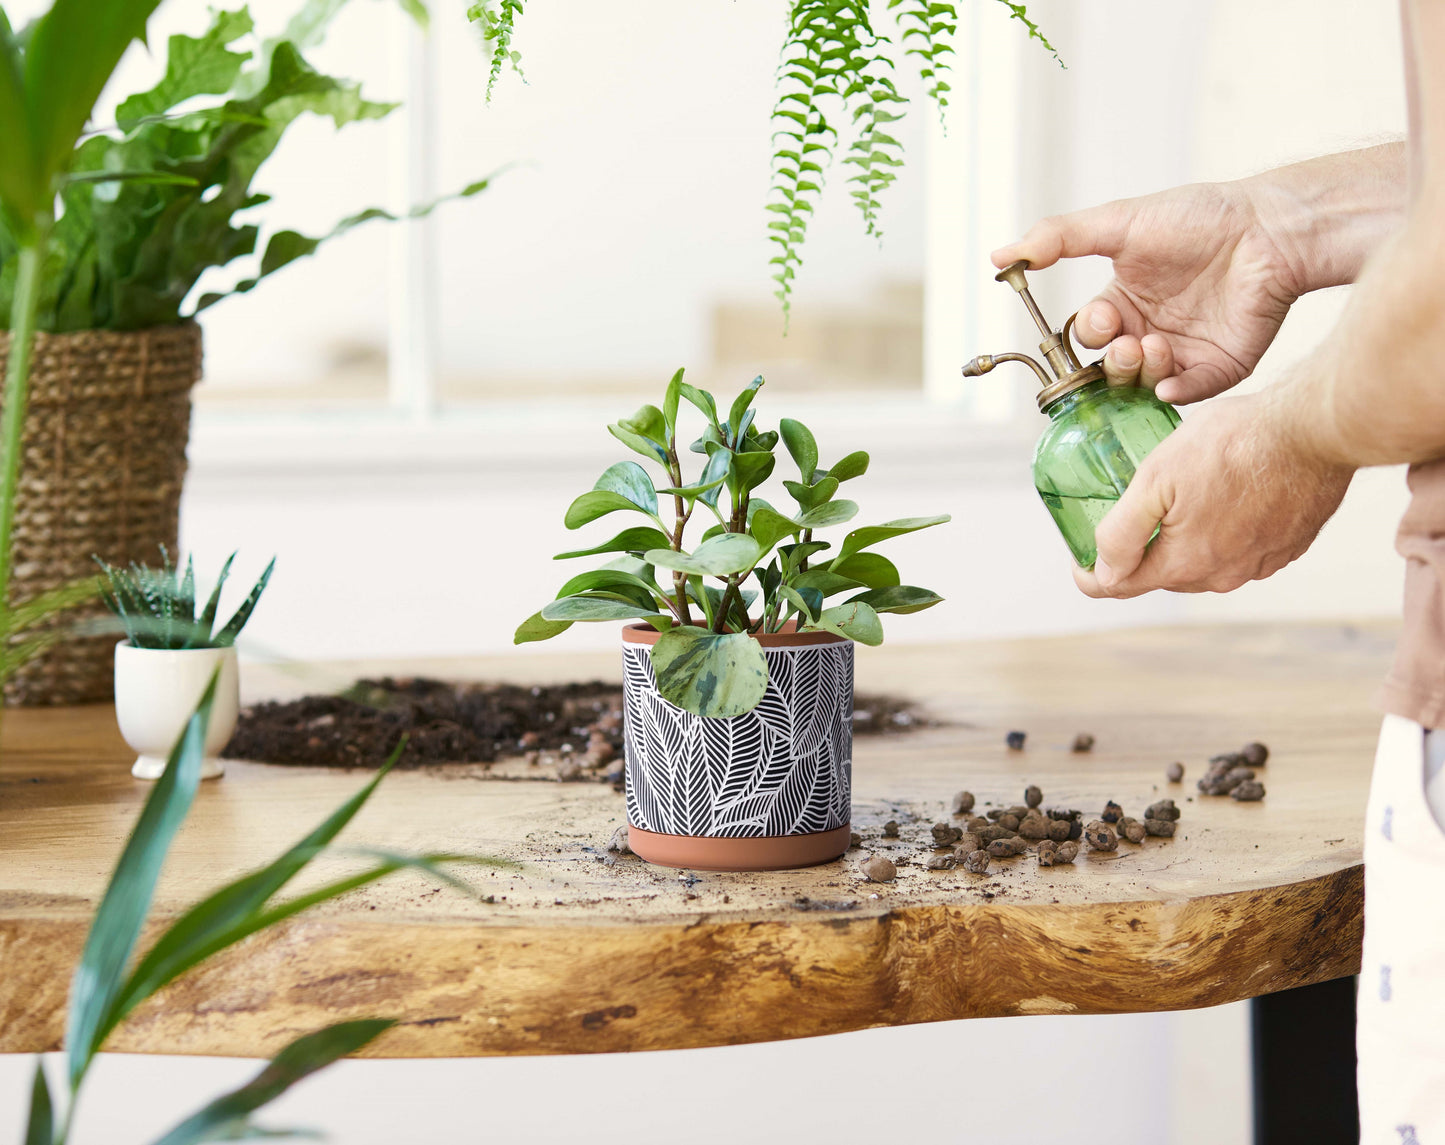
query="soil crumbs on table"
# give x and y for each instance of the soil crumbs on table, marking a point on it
(573, 731)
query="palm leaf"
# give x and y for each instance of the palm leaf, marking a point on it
(228, 1116)
(122, 911)
(208, 616)
(40, 1128)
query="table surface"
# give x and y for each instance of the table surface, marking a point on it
(583, 951)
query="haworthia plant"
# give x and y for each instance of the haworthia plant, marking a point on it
(157, 607)
(110, 982)
(835, 77)
(698, 594)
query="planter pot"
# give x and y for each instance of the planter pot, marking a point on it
(767, 790)
(156, 691)
(104, 455)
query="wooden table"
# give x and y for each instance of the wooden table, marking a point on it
(583, 951)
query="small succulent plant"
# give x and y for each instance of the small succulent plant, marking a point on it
(706, 659)
(157, 607)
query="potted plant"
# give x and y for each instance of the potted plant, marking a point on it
(104, 232)
(738, 680)
(168, 657)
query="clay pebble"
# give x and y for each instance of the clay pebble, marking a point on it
(1059, 829)
(1015, 740)
(976, 863)
(945, 835)
(1004, 848)
(967, 844)
(1112, 812)
(880, 870)
(1250, 791)
(941, 862)
(854, 840)
(1159, 828)
(1034, 828)
(1068, 852)
(890, 829)
(1255, 754)
(1132, 830)
(1163, 809)
(1084, 741)
(1033, 796)
(1010, 821)
(993, 832)
(962, 803)
(1174, 773)
(1048, 853)
(1100, 836)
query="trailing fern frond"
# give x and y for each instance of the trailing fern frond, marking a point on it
(923, 26)
(496, 28)
(1020, 12)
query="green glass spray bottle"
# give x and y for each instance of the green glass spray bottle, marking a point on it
(1097, 434)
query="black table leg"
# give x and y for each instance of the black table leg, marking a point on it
(1303, 1044)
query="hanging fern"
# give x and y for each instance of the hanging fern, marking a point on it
(1020, 12)
(928, 22)
(497, 28)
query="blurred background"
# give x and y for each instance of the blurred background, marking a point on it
(403, 420)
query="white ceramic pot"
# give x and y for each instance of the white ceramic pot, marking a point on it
(156, 692)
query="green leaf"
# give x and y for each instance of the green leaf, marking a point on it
(228, 1114)
(23, 190)
(794, 555)
(869, 569)
(617, 581)
(825, 582)
(630, 480)
(534, 628)
(901, 598)
(873, 534)
(747, 471)
(724, 555)
(638, 443)
(194, 67)
(769, 527)
(854, 465)
(811, 496)
(802, 448)
(594, 606)
(647, 422)
(710, 674)
(123, 908)
(72, 51)
(228, 915)
(807, 602)
(598, 503)
(856, 620)
(828, 513)
(207, 618)
(227, 635)
(703, 401)
(739, 408)
(40, 1126)
(635, 540)
(670, 403)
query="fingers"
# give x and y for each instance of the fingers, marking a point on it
(1123, 361)
(1124, 534)
(1158, 360)
(1200, 381)
(1096, 230)
(1098, 324)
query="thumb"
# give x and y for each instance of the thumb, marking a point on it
(1095, 230)
(1125, 532)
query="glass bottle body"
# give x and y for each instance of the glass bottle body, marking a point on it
(1096, 439)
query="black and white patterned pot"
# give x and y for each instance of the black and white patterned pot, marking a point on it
(766, 790)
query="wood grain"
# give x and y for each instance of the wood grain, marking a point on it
(585, 952)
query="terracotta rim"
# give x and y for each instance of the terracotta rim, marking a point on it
(770, 853)
(646, 634)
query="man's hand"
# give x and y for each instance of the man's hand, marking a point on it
(1200, 288)
(1235, 498)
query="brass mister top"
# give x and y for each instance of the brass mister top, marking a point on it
(1069, 375)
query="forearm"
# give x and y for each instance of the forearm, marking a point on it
(1329, 215)
(1374, 391)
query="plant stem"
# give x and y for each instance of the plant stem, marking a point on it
(725, 606)
(679, 580)
(12, 422)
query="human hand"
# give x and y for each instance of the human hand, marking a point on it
(1201, 285)
(1234, 496)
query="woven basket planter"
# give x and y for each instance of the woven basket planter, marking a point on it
(103, 462)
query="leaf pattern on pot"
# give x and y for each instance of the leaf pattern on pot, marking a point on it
(784, 768)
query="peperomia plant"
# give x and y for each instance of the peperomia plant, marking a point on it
(756, 569)
(157, 607)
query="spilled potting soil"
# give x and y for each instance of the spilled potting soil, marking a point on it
(567, 731)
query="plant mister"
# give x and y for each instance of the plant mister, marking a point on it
(1097, 434)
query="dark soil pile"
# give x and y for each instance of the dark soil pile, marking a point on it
(469, 723)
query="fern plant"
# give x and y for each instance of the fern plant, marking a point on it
(836, 78)
(157, 607)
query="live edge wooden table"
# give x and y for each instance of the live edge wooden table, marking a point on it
(575, 950)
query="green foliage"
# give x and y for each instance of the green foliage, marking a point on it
(157, 607)
(496, 28)
(167, 192)
(715, 668)
(107, 987)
